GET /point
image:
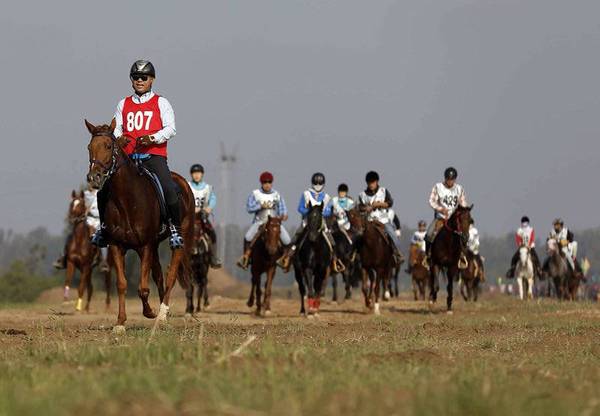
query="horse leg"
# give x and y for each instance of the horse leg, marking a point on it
(68, 279)
(415, 288)
(206, 303)
(176, 261)
(80, 290)
(301, 290)
(380, 282)
(118, 258)
(464, 291)
(87, 273)
(157, 274)
(334, 282)
(365, 288)
(520, 284)
(256, 275)
(434, 284)
(452, 274)
(530, 287)
(145, 254)
(199, 295)
(107, 281)
(189, 296)
(268, 285)
(347, 284)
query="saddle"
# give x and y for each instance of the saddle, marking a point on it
(164, 216)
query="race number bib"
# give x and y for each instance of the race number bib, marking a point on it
(450, 201)
(139, 120)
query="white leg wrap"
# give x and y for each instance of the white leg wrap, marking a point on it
(163, 312)
(376, 309)
(79, 305)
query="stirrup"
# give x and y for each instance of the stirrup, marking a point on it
(175, 241)
(338, 266)
(215, 262)
(463, 262)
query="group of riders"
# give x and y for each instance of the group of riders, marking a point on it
(147, 120)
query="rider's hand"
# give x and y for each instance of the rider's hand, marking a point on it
(284, 217)
(208, 210)
(145, 140)
(444, 212)
(197, 210)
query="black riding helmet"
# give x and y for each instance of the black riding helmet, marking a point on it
(197, 167)
(525, 218)
(142, 67)
(372, 176)
(342, 187)
(318, 179)
(450, 173)
(422, 223)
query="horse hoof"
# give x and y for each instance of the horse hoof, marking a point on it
(149, 313)
(376, 310)
(118, 329)
(268, 313)
(188, 315)
(163, 312)
(310, 316)
(249, 304)
(386, 295)
(449, 312)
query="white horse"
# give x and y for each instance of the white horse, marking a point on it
(524, 273)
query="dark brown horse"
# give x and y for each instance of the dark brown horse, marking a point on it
(312, 262)
(471, 277)
(200, 263)
(446, 251)
(345, 252)
(419, 270)
(376, 258)
(265, 252)
(133, 220)
(81, 255)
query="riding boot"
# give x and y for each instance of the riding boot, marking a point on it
(244, 261)
(176, 240)
(513, 264)
(215, 261)
(285, 261)
(97, 238)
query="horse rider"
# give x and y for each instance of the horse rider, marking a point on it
(565, 239)
(473, 247)
(445, 197)
(525, 236)
(342, 203)
(395, 222)
(148, 121)
(205, 201)
(263, 203)
(92, 219)
(418, 239)
(376, 201)
(313, 196)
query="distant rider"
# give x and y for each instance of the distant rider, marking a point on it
(525, 237)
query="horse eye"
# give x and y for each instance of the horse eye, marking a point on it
(107, 146)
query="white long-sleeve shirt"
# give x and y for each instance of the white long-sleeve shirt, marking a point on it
(167, 116)
(450, 198)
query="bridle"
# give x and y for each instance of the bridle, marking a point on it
(458, 231)
(108, 171)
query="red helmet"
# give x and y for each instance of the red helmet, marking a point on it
(266, 177)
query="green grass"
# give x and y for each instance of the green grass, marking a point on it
(497, 359)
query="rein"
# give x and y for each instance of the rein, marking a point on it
(114, 166)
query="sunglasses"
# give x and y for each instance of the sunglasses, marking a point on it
(139, 77)
(267, 181)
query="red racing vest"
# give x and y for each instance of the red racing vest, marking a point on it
(140, 120)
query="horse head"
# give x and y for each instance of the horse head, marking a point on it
(314, 222)
(523, 254)
(461, 221)
(357, 221)
(103, 151)
(272, 235)
(77, 206)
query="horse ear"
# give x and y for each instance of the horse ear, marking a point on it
(91, 128)
(74, 194)
(113, 124)
(81, 193)
(471, 207)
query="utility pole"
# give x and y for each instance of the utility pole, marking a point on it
(228, 161)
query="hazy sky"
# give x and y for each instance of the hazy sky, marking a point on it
(506, 91)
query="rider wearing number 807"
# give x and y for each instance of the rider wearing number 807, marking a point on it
(148, 121)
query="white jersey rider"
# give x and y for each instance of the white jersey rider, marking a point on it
(473, 247)
(525, 236)
(342, 203)
(565, 239)
(263, 203)
(92, 219)
(445, 197)
(205, 200)
(417, 240)
(376, 201)
(311, 197)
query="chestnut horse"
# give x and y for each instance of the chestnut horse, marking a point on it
(265, 252)
(376, 257)
(133, 220)
(419, 270)
(446, 251)
(80, 254)
(471, 277)
(200, 263)
(311, 263)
